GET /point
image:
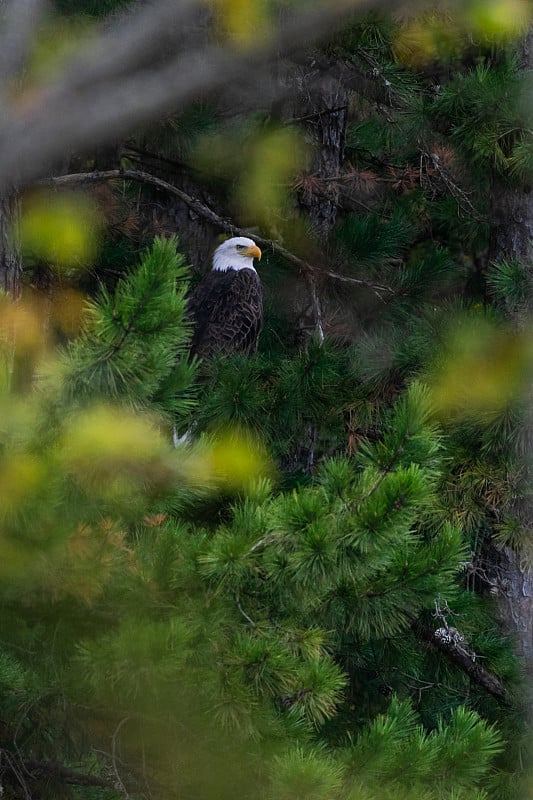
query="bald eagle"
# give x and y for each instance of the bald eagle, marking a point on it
(227, 307)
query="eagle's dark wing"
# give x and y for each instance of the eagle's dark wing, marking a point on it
(227, 312)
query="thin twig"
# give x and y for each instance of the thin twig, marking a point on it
(459, 195)
(317, 308)
(114, 755)
(243, 612)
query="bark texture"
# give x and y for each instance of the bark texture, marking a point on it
(510, 571)
(512, 206)
(10, 259)
(327, 119)
(512, 223)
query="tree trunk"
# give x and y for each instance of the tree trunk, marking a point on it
(327, 124)
(10, 258)
(510, 570)
(511, 212)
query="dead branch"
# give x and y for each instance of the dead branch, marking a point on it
(452, 644)
(460, 196)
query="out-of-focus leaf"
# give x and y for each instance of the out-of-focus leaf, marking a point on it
(243, 20)
(20, 475)
(426, 38)
(485, 367)
(234, 459)
(21, 326)
(274, 160)
(67, 310)
(499, 19)
(62, 229)
(114, 452)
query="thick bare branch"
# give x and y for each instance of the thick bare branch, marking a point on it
(20, 19)
(132, 87)
(133, 40)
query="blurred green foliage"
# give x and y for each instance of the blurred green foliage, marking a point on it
(230, 652)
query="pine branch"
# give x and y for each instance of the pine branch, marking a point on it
(452, 644)
(385, 470)
(81, 178)
(459, 195)
(126, 331)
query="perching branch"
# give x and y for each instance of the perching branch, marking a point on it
(81, 178)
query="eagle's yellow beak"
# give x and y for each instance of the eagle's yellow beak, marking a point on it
(253, 251)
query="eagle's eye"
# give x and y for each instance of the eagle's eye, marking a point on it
(242, 247)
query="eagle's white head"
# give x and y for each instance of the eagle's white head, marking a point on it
(236, 253)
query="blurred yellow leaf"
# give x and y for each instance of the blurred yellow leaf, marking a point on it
(424, 39)
(21, 324)
(234, 460)
(484, 368)
(62, 229)
(29, 328)
(67, 310)
(243, 20)
(115, 452)
(499, 19)
(263, 187)
(237, 460)
(20, 476)
(437, 36)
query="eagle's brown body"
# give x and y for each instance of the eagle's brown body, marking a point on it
(227, 312)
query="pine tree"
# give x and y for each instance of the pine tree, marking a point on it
(300, 603)
(166, 630)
